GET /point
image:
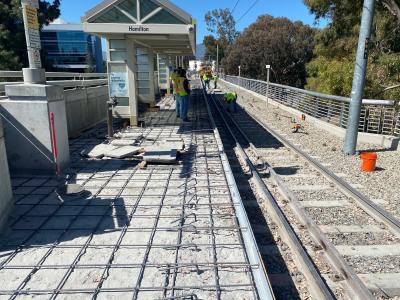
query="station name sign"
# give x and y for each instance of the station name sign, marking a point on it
(139, 29)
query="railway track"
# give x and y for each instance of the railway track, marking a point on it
(332, 230)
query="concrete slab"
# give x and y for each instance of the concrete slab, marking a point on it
(123, 152)
(97, 151)
(370, 250)
(386, 282)
(133, 210)
(123, 142)
(310, 188)
(129, 135)
(173, 143)
(160, 155)
(333, 203)
(351, 228)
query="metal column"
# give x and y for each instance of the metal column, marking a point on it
(350, 143)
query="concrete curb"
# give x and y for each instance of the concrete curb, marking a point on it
(386, 141)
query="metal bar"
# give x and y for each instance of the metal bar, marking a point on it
(153, 232)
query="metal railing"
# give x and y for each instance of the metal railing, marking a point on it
(397, 129)
(377, 116)
(64, 79)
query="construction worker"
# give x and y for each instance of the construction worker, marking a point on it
(206, 80)
(216, 78)
(172, 79)
(230, 99)
(183, 96)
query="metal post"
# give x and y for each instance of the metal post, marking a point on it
(268, 69)
(35, 73)
(110, 105)
(357, 93)
(240, 80)
(217, 59)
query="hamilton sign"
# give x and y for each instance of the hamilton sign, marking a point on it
(139, 29)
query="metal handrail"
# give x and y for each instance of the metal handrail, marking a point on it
(317, 94)
(18, 74)
(377, 116)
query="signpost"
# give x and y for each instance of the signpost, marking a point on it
(32, 34)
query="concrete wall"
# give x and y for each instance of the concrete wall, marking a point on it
(5, 184)
(85, 108)
(369, 138)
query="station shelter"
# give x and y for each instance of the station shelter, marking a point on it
(145, 39)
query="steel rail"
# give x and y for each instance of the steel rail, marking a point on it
(355, 284)
(319, 288)
(362, 200)
(264, 288)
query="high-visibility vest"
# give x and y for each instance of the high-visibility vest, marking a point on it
(173, 78)
(180, 86)
(230, 96)
(205, 77)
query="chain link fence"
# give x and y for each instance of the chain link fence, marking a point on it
(377, 116)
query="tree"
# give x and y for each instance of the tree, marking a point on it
(284, 44)
(210, 44)
(222, 26)
(332, 69)
(13, 54)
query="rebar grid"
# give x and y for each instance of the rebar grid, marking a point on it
(378, 119)
(194, 203)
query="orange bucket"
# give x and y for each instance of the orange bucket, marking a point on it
(368, 161)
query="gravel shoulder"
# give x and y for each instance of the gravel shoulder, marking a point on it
(382, 186)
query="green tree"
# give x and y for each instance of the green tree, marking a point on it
(284, 44)
(222, 26)
(13, 54)
(331, 71)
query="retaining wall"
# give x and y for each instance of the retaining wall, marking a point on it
(85, 108)
(5, 183)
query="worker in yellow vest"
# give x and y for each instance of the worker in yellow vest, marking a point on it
(183, 95)
(215, 78)
(230, 99)
(172, 79)
(206, 80)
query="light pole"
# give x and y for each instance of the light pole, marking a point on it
(350, 143)
(217, 59)
(268, 70)
(240, 80)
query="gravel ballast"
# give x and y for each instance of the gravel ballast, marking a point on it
(381, 186)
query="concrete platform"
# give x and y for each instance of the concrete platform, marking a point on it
(154, 233)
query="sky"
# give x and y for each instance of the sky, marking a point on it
(72, 10)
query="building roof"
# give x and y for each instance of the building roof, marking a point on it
(157, 24)
(165, 4)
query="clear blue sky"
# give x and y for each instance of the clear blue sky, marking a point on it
(72, 10)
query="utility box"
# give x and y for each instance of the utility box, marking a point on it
(5, 183)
